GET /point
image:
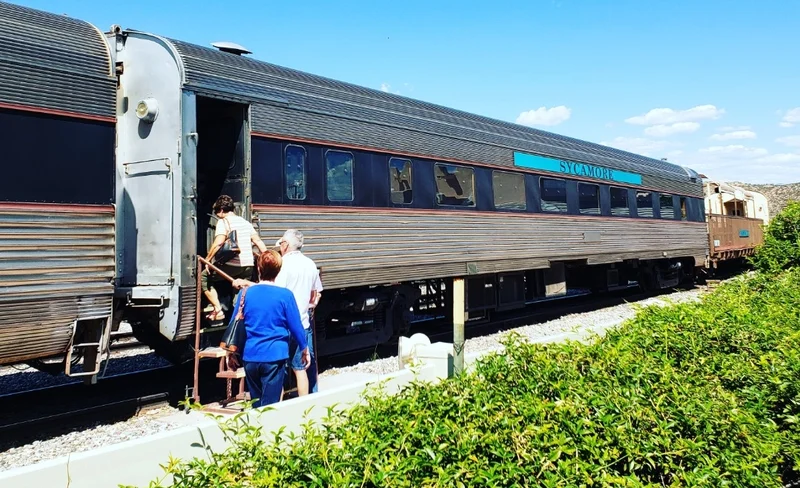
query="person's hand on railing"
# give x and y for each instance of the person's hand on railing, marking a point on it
(240, 283)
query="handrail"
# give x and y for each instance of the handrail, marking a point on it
(205, 261)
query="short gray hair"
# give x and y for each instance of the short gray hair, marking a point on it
(294, 238)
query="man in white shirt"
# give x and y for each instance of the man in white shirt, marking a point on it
(300, 275)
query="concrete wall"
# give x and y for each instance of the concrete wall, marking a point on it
(136, 462)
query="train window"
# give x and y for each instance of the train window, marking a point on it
(295, 165)
(554, 195)
(589, 198)
(339, 171)
(509, 190)
(644, 203)
(455, 185)
(684, 215)
(619, 202)
(400, 180)
(667, 207)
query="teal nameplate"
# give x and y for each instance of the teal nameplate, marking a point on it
(532, 161)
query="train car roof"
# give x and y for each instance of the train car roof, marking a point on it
(54, 62)
(215, 71)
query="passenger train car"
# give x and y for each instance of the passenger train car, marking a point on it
(116, 144)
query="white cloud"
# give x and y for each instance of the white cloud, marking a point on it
(791, 141)
(387, 88)
(784, 158)
(638, 145)
(790, 118)
(732, 128)
(545, 116)
(737, 162)
(663, 116)
(732, 135)
(736, 151)
(663, 130)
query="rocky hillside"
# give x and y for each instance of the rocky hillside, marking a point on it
(777, 195)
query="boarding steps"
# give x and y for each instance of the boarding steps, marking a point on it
(227, 374)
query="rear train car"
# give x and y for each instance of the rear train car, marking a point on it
(736, 220)
(57, 242)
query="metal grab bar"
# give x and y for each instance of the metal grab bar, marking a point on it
(205, 261)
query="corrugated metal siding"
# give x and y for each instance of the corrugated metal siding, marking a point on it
(355, 247)
(56, 266)
(212, 70)
(54, 62)
(31, 329)
(188, 298)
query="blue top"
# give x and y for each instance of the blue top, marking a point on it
(270, 316)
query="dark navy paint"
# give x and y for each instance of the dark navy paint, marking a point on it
(371, 184)
(55, 159)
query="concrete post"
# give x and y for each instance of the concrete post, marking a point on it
(458, 325)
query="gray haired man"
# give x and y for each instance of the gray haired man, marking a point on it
(300, 275)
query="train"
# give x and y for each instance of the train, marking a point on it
(117, 143)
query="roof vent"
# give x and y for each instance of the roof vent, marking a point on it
(230, 47)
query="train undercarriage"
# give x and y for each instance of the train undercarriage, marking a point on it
(353, 319)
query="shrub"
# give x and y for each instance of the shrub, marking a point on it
(700, 394)
(781, 247)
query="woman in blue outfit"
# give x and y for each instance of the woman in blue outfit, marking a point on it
(270, 317)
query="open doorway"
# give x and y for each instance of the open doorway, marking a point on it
(223, 168)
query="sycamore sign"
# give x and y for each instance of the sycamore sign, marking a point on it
(572, 168)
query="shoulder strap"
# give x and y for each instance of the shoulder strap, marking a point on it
(240, 314)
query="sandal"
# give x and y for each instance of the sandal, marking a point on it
(217, 315)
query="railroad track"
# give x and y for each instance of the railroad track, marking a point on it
(46, 412)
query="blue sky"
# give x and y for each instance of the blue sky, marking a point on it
(710, 84)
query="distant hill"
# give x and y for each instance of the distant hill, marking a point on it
(777, 195)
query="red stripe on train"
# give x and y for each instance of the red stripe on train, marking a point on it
(62, 113)
(303, 209)
(56, 207)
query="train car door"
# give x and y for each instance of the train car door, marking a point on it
(223, 163)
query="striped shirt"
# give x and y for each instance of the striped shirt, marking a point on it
(244, 234)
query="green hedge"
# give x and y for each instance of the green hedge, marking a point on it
(781, 247)
(700, 394)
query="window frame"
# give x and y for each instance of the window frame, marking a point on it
(542, 200)
(524, 192)
(599, 206)
(410, 179)
(652, 205)
(661, 197)
(436, 186)
(626, 192)
(352, 177)
(286, 174)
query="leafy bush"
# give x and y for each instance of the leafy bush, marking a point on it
(781, 247)
(699, 394)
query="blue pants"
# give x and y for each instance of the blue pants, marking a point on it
(296, 359)
(264, 381)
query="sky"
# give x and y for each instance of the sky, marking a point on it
(709, 84)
